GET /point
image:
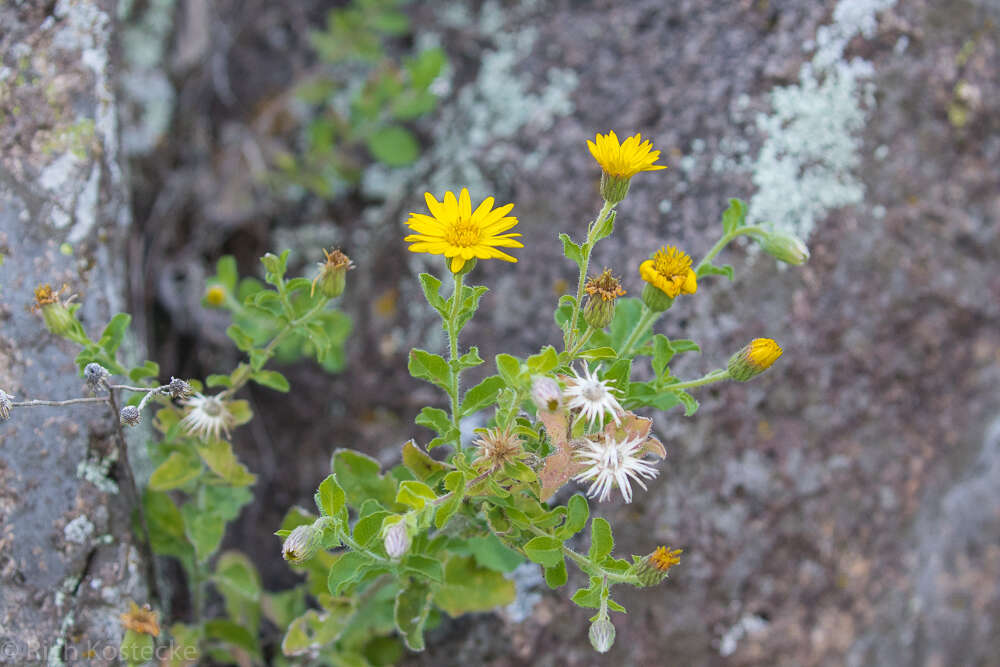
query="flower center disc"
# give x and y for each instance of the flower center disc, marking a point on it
(462, 234)
(673, 262)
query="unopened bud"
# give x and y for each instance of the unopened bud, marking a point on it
(6, 405)
(602, 634)
(546, 394)
(753, 359)
(301, 544)
(178, 388)
(653, 569)
(58, 317)
(215, 296)
(397, 540)
(783, 246)
(332, 275)
(130, 415)
(95, 374)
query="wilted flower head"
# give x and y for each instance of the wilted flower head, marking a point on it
(397, 540)
(602, 291)
(178, 388)
(95, 374)
(141, 619)
(207, 417)
(55, 311)
(6, 405)
(591, 396)
(753, 359)
(611, 462)
(546, 394)
(653, 568)
(497, 447)
(301, 544)
(130, 415)
(332, 275)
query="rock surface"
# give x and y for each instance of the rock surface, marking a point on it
(67, 562)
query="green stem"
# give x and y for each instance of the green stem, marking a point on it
(452, 328)
(579, 344)
(346, 538)
(715, 376)
(587, 248)
(646, 320)
(587, 565)
(724, 241)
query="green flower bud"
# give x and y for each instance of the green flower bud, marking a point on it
(397, 540)
(753, 359)
(332, 276)
(653, 568)
(602, 293)
(784, 247)
(301, 544)
(602, 634)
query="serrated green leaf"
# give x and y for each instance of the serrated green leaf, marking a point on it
(589, 597)
(482, 395)
(606, 227)
(434, 418)
(663, 352)
(544, 550)
(577, 513)
(509, 368)
(601, 541)
(203, 530)
(614, 606)
(432, 292)
(689, 401)
(430, 367)
(368, 528)
(242, 339)
(419, 462)
(271, 379)
(543, 362)
(712, 270)
(330, 497)
(572, 250)
(424, 566)
(114, 332)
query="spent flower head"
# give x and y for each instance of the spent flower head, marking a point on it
(602, 293)
(130, 416)
(6, 405)
(497, 447)
(178, 388)
(613, 461)
(753, 359)
(591, 396)
(55, 310)
(667, 274)
(621, 161)
(207, 417)
(332, 276)
(461, 234)
(95, 374)
(652, 569)
(141, 619)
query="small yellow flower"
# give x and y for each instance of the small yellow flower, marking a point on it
(215, 296)
(653, 569)
(141, 619)
(663, 559)
(670, 272)
(454, 230)
(753, 359)
(626, 159)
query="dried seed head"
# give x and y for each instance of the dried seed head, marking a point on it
(602, 291)
(95, 374)
(6, 405)
(178, 388)
(496, 448)
(130, 415)
(397, 540)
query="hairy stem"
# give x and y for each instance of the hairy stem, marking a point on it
(587, 248)
(646, 320)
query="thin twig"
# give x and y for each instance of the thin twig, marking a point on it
(57, 404)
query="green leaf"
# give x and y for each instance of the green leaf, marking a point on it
(226, 273)
(233, 634)
(469, 587)
(509, 368)
(238, 582)
(556, 576)
(203, 530)
(413, 603)
(572, 250)
(149, 369)
(420, 463)
(614, 606)
(434, 418)
(218, 381)
(709, 269)
(471, 294)
(242, 339)
(597, 353)
(368, 528)
(393, 145)
(424, 566)
(346, 570)
(425, 67)
(627, 313)
(113, 334)
(271, 379)
(470, 359)
(601, 541)
(606, 227)
(312, 631)
(619, 374)
(275, 265)
(180, 468)
(543, 362)
(360, 477)
(136, 648)
(482, 395)
(648, 393)
(415, 494)
(166, 525)
(455, 483)
(689, 401)
(491, 553)
(735, 216)
(684, 345)
(432, 292)
(577, 513)
(430, 367)
(218, 455)
(330, 497)
(590, 597)
(663, 352)
(544, 550)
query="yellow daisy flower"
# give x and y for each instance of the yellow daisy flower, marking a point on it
(755, 358)
(670, 273)
(454, 230)
(625, 159)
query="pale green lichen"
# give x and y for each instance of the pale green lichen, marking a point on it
(79, 530)
(95, 470)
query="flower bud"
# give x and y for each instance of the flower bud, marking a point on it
(58, 317)
(656, 299)
(753, 359)
(95, 374)
(6, 405)
(178, 388)
(215, 296)
(602, 634)
(332, 276)
(653, 569)
(546, 394)
(614, 189)
(397, 540)
(301, 544)
(783, 246)
(130, 416)
(602, 293)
